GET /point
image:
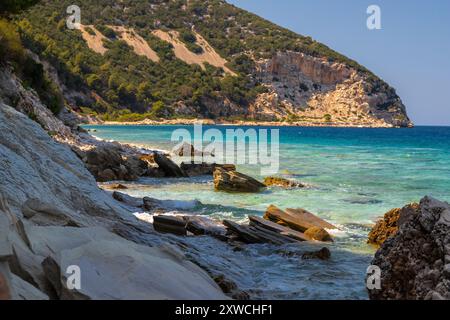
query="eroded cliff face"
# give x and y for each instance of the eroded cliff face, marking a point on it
(313, 90)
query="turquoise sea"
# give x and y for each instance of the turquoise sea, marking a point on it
(354, 175)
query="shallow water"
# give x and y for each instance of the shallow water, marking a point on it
(353, 176)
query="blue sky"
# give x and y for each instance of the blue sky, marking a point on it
(411, 51)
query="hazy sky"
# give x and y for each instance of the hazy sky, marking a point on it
(411, 51)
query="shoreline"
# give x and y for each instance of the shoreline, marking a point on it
(163, 122)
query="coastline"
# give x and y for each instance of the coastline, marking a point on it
(181, 121)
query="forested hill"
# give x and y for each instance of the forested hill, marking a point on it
(136, 59)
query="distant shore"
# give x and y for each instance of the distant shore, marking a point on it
(242, 123)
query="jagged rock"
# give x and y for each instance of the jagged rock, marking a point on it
(170, 168)
(413, 261)
(297, 219)
(44, 214)
(318, 234)
(322, 254)
(388, 226)
(170, 224)
(109, 163)
(233, 181)
(281, 182)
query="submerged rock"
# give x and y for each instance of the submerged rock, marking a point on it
(414, 262)
(388, 226)
(322, 254)
(233, 181)
(282, 182)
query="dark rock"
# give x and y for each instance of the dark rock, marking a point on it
(170, 224)
(170, 168)
(322, 254)
(110, 163)
(412, 261)
(233, 181)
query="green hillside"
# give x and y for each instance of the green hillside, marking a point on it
(125, 83)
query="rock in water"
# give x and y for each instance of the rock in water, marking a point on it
(281, 182)
(233, 181)
(318, 234)
(170, 168)
(297, 219)
(170, 224)
(322, 254)
(414, 262)
(388, 226)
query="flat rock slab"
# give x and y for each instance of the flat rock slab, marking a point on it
(297, 219)
(272, 226)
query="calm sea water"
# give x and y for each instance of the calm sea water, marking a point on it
(354, 176)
